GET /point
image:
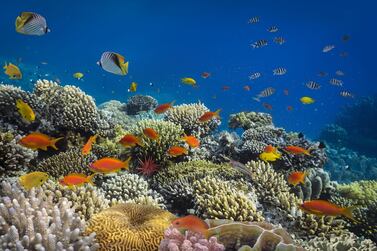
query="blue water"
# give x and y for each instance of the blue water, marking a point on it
(167, 40)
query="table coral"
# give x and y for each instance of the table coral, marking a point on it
(32, 221)
(247, 120)
(130, 227)
(187, 116)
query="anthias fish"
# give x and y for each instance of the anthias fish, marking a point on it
(296, 178)
(192, 223)
(76, 179)
(175, 151)
(150, 133)
(88, 145)
(207, 116)
(322, 207)
(33, 179)
(38, 140)
(164, 107)
(296, 150)
(130, 140)
(191, 140)
(109, 165)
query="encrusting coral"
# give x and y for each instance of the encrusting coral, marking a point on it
(14, 158)
(32, 221)
(187, 116)
(217, 199)
(130, 227)
(247, 120)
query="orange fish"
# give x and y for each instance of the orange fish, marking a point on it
(225, 88)
(270, 149)
(289, 108)
(295, 178)
(151, 133)
(164, 107)
(267, 106)
(109, 165)
(286, 92)
(205, 75)
(322, 207)
(247, 88)
(296, 150)
(191, 140)
(76, 179)
(130, 140)
(175, 151)
(207, 116)
(38, 140)
(88, 146)
(192, 223)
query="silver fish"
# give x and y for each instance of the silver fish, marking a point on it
(346, 94)
(313, 85)
(265, 93)
(328, 48)
(255, 75)
(253, 20)
(30, 23)
(279, 40)
(279, 71)
(336, 82)
(273, 29)
(259, 44)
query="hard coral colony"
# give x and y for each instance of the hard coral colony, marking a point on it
(147, 176)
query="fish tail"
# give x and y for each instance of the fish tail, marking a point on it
(126, 163)
(140, 143)
(347, 212)
(54, 141)
(173, 102)
(217, 113)
(90, 178)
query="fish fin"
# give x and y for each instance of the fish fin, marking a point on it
(217, 113)
(173, 102)
(124, 68)
(302, 181)
(126, 163)
(44, 148)
(347, 212)
(90, 179)
(54, 141)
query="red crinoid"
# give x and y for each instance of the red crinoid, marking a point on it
(147, 167)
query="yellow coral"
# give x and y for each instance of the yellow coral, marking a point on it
(361, 191)
(130, 227)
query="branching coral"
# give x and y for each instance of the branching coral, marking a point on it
(217, 199)
(247, 120)
(14, 158)
(31, 221)
(130, 227)
(187, 116)
(361, 191)
(64, 163)
(190, 241)
(139, 103)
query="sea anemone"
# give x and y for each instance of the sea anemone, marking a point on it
(147, 167)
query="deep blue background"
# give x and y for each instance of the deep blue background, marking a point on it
(167, 40)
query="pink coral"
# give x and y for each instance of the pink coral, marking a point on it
(190, 241)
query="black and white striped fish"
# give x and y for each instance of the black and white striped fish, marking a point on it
(30, 23)
(346, 94)
(339, 73)
(255, 75)
(265, 93)
(336, 82)
(279, 71)
(279, 40)
(328, 48)
(114, 63)
(260, 43)
(253, 20)
(313, 85)
(273, 29)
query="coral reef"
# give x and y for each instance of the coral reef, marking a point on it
(130, 227)
(190, 241)
(31, 221)
(217, 199)
(247, 120)
(14, 158)
(139, 103)
(64, 163)
(187, 116)
(114, 112)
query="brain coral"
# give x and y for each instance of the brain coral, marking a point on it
(130, 227)
(247, 120)
(14, 158)
(187, 116)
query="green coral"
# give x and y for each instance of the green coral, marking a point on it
(218, 199)
(361, 191)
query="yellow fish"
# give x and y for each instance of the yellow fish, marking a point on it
(34, 179)
(269, 156)
(307, 100)
(25, 111)
(133, 87)
(189, 81)
(78, 75)
(12, 71)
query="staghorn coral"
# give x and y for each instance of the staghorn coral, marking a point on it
(251, 236)
(130, 227)
(69, 108)
(187, 116)
(217, 199)
(31, 221)
(247, 120)
(190, 241)
(64, 163)
(139, 103)
(14, 158)
(125, 187)
(169, 134)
